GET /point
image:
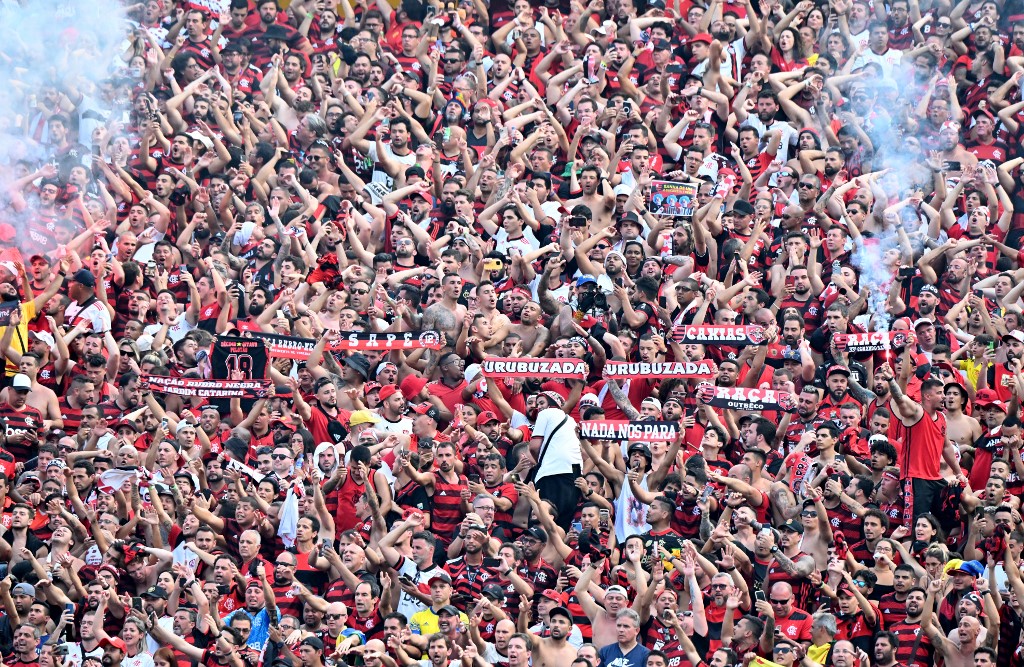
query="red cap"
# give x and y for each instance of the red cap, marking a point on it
(987, 397)
(487, 417)
(387, 391)
(963, 60)
(370, 386)
(554, 595)
(412, 385)
(116, 642)
(703, 37)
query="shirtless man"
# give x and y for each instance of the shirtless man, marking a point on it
(555, 649)
(958, 650)
(535, 337)
(601, 618)
(330, 310)
(817, 529)
(487, 304)
(962, 429)
(597, 196)
(445, 315)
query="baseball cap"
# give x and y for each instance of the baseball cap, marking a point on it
(21, 382)
(742, 206)
(924, 321)
(314, 643)
(970, 568)
(838, 370)
(440, 576)
(448, 609)
(362, 417)
(537, 533)
(793, 527)
(662, 45)
(583, 280)
(561, 611)
(24, 589)
(618, 590)
(115, 642)
(84, 277)
(388, 391)
(157, 592)
(554, 595)
(930, 288)
(987, 397)
(486, 417)
(493, 591)
(702, 37)
(1016, 335)
(428, 410)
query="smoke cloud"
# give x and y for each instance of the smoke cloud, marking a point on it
(74, 45)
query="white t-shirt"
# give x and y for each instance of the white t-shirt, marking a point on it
(562, 451)
(520, 246)
(379, 175)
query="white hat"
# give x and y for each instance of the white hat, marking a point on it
(21, 381)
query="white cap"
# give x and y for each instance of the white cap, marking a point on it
(21, 381)
(471, 372)
(44, 336)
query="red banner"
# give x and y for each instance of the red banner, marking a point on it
(528, 367)
(208, 388)
(735, 336)
(751, 400)
(704, 369)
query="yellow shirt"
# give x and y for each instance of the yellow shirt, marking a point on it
(19, 340)
(973, 370)
(818, 654)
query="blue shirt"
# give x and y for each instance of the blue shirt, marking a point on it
(612, 656)
(260, 632)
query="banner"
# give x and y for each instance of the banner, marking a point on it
(6, 308)
(231, 354)
(637, 431)
(528, 367)
(875, 341)
(671, 198)
(293, 347)
(209, 388)
(711, 334)
(621, 370)
(752, 400)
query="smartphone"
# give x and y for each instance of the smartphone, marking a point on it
(492, 265)
(70, 607)
(908, 272)
(705, 494)
(515, 478)
(951, 165)
(790, 281)
(492, 562)
(577, 221)
(273, 616)
(137, 604)
(604, 515)
(759, 595)
(576, 527)
(473, 479)
(60, 649)
(406, 579)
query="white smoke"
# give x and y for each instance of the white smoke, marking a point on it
(68, 43)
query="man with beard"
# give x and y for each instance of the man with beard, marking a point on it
(322, 418)
(396, 150)
(1000, 375)
(911, 632)
(596, 194)
(127, 399)
(884, 652)
(223, 653)
(555, 648)
(114, 651)
(765, 120)
(841, 389)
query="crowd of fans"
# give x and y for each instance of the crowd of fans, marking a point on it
(817, 203)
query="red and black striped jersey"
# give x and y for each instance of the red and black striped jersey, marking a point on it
(447, 513)
(28, 420)
(468, 580)
(892, 609)
(908, 634)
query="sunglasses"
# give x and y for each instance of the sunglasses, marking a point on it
(808, 514)
(359, 291)
(807, 186)
(782, 649)
(602, 246)
(333, 617)
(280, 457)
(773, 601)
(719, 587)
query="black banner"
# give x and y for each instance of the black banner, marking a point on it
(293, 347)
(752, 400)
